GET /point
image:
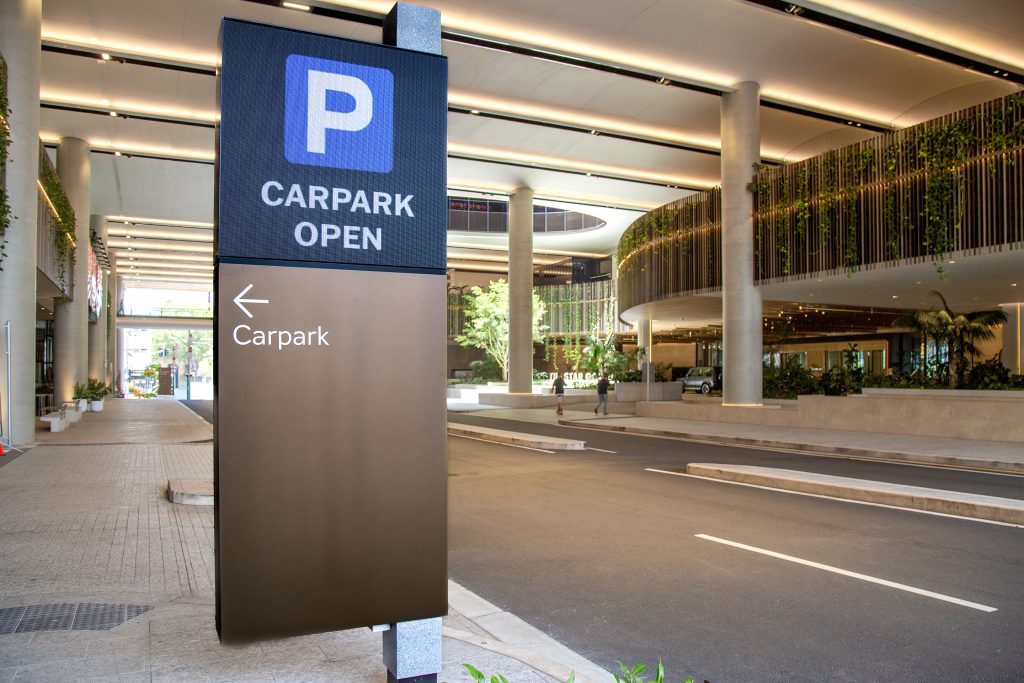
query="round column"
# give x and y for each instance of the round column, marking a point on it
(98, 329)
(520, 292)
(1012, 345)
(71, 316)
(20, 22)
(645, 343)
(741, 301)
(115, 298)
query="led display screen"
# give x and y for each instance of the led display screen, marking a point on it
(95, 287)
(330, 150)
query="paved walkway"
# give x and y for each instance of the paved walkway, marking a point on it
(1000, 455)
(88, 541)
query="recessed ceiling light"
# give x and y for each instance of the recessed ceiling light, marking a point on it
(105, 57)
(296, 6)
(474, 111)
(952, 261)
(113, 113)
(117, 154)
(895, 296)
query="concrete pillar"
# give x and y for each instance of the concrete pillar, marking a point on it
(120, 376)
(98, 329)
(71, 317)
(520, 291)
(20, 22)
(115, 298)
(645, 343)
(1012, 339)
(741, 301)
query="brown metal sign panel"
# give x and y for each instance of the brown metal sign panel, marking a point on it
(331, 466)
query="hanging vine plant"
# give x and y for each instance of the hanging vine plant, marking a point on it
(63, 228)
(5, 140)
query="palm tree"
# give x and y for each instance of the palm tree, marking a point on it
(959, 331)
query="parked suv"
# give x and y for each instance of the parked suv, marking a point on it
(704, 379)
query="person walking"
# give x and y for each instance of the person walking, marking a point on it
(558, 389)
(602, 394)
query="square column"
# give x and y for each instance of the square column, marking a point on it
(20, 22)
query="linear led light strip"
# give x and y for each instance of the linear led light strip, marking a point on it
(163, 222)
(161, 278)
(566, 50)
(557, 252)
(133, 271)
(562, 50)
(131, 253)
(141, 263)
(117, 148)
(160, 234)
(159, 246)
(461, 185)
(473, 151)
(127, 107)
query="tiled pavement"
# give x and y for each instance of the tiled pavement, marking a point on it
(86, 522)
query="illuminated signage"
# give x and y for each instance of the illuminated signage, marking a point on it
(330, 151)
(329, 256)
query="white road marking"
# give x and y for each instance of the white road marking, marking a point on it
(855, 575)
(841, 500)
(601, 450)
(500, 443)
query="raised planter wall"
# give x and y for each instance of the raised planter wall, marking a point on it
(982, 418)
(638, 391)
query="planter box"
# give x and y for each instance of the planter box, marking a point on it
(83, 405)
(638, 391)
(96, 406)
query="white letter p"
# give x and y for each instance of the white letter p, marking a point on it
(319, 119)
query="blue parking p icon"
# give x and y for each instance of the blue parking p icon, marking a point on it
(338, 114)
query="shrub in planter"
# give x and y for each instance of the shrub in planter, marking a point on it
(991, 374)
(789, 381)
(96, 390)
(80, 394)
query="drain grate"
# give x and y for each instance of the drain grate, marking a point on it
(68, 616)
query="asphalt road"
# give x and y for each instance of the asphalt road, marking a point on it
(604, 556)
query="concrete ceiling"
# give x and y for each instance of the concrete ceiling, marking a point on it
(712, 43)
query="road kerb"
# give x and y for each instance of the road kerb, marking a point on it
(516, 438)
(811, 448)
(1005, 510)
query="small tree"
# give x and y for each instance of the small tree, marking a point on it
(487, 322)
(598, 353)
(959, 331)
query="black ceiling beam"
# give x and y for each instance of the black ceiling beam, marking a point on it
(970, 63)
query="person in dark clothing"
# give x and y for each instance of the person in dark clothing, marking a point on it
(558, 389)
(602, 394)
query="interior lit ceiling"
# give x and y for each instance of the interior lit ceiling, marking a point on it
(610, 105)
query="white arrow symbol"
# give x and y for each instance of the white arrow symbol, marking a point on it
(239, 300)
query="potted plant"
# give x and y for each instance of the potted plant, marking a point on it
(96, 390)
(80, 395)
